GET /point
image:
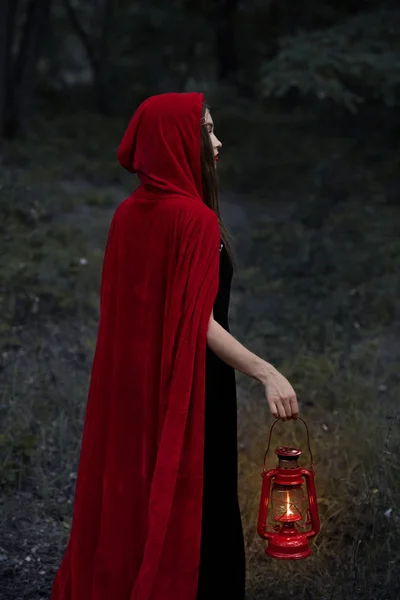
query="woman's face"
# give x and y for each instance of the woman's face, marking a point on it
(216, 144)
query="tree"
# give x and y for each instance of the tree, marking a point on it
(97, 45)
(351, 62)
(225, 13)
(18, 67)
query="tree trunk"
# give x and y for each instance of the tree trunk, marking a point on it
(101, 83)
(228, 64)
(25, 69)
(8, 9)
(97, 52)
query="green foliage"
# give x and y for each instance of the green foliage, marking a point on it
(48, 267)
(99, 198)
(17, 448)
(353, 61)
(331, 283)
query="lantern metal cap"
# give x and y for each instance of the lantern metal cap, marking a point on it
(288, 452)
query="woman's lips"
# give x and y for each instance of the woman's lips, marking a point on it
(216, 158)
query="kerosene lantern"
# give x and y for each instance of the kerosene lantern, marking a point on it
(288, 514)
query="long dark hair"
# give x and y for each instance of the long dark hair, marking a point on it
(209, 181)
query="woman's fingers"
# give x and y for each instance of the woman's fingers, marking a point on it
(285, 408)
(291, 407)
(295, 406)
(273, 408)
(281, 397)
(281, 410)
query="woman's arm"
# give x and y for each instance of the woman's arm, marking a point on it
(280, 394)
(232, 352)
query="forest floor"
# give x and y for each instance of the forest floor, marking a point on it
(316, 294)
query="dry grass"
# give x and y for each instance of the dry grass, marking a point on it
(357, 552)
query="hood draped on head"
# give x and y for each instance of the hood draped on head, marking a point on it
(162, 144)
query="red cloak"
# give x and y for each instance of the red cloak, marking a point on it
(136, 525)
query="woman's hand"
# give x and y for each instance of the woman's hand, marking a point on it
(281, 396)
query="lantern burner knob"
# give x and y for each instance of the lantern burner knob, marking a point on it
(288, 452)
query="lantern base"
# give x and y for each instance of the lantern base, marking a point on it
(289, 546)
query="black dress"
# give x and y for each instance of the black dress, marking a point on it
(222, 556)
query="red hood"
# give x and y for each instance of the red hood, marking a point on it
(162, 144)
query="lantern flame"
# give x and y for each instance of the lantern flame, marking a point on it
(289, 511)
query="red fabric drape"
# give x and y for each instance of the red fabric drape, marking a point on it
(136, 524)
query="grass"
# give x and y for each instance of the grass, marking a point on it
(318, 298)
(354, 426)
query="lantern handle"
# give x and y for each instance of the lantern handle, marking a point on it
(308, 442)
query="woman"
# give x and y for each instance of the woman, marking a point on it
(156, 515)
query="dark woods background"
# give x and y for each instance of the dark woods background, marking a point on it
(305, 97)
(326, 53)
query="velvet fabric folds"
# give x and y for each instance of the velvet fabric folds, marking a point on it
(137, 513)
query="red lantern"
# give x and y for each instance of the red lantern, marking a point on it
(288, 516)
